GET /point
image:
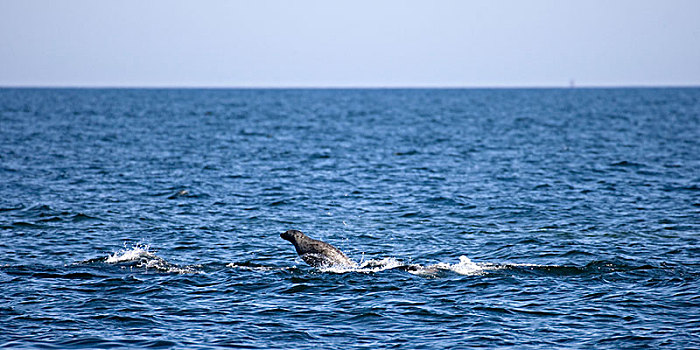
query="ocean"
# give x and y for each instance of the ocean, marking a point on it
(531, 218)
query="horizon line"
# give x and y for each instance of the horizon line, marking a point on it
(353, 87)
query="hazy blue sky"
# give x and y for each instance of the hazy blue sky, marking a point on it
(349, 43)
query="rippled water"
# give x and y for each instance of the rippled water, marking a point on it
(534, 218)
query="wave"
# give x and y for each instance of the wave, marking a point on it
(40, 216)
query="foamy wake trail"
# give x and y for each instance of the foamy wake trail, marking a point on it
(366, 266)
(141, 256)
(464, 267)
(255, 267)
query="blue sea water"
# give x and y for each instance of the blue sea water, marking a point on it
(534, 218)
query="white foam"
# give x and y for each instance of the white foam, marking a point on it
(364, 266)
(466, 267)
(146, 259)
(136, 252)
(256, 268)
(374, 265)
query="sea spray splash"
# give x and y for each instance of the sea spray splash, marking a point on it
(465, 267)
(136, 252)
(140, 255)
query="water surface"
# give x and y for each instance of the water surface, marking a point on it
(549, 218)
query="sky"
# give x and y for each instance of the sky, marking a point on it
(359, 43)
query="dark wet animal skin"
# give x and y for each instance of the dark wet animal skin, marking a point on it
(316, 253)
